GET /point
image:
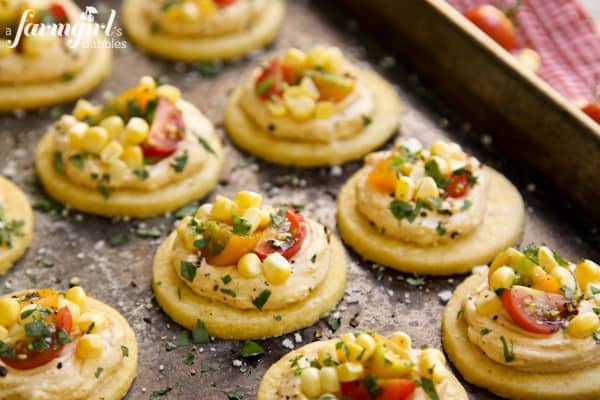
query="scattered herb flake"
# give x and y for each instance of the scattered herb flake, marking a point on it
(226, 279)
(466, 205)
(118, 240)
(148, 233)
(141, 173)
(183, 339)
(125, 351)
(199, 333)
(228, 292)
(206, 145)
(186, 211)
(415, 280)
(104, 191)
(179, 163)
(333, 323)
(160, 392)
(235, 395)
(366, 120)
(241, 227)
(57, 161)
(189, 359)
(371, 386)
(260, 301)
(210, 69)
(484, 331)
(429, 388)
(251, 349)
(507, 349)
(99, 372)
(188, 270)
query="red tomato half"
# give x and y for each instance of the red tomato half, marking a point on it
(494, 23)
(58, 12)
(458, 186)
(166, 130)
(223, 3)
(270, 81)
(534, 310)
(593, 111)
(391, 389)
(354, 391)
(36, 359)
(296, 227)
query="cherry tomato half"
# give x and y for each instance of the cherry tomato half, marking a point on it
(58, 12)
(295, 229)
(593, 111)
(494, 23)
(534, 310)
(223, 3)
(391, 389)
(36, 359)
(458, 186)
(166, 130)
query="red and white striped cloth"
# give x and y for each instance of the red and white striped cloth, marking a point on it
(564, 36)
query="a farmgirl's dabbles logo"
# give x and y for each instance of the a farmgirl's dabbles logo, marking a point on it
(54, 23)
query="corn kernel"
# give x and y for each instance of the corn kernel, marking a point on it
(547, 259)
(16, 333)
(117, 170)
(564, 277)
(317, 57)
(329, 380)
(94, 139)
(74, 309)
(502, 278)
(247, 199)
(276, 268)
(431, 363)
(9, 311)
(187, 236)
(324, 109)
(348, 338)
(334, 61)
(77, 295)
(309, 88)
(136, 131)
(353, 352)
(98, 319)
(405, 189)
(75, 135)
(148, 83)
(133, 157)
(412, 144)
(204, 212)
(114, 126)
(367, 342)
(66, 122)
(253, 217)
(417, 172)
(509, 256)
(222, 209)
(487, 303)
(265, 218)
(169, 92)
(301, 107)
(90, 346)
(310, 382)
(112, 151)
(428, 188)
(587, 272)
(5, 49)
(456, 164)
(3, 330)
(84, 109)
(401, 339)
(349, 371)
(249, 265)
(455, 152)
(584, 325)
(173, 13)
(294, 58)
(441, 149)
(206, 7)
(442, 164)
(276, 107)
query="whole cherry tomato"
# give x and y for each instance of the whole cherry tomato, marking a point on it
(494, 23)
(593, 111)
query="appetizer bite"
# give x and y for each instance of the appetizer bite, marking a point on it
(45, 67)
(64, 345)
(528, 327)
(16, 224)
(247, 271)
(202, 30)
(143, 153)
(312, 109)
(362, 366)
(435, 211)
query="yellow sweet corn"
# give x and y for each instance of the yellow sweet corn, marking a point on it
(112, 151)
(5, 49)
(310, 382)
(117, 170)
(565, 278)
(488, 303)
(329, 380)
(432, 364)
(294, 58)
(367, 343)
(427, 188)
(169, 92)
(276, 107)
(94, 139)
(253, 217)
(546, 258)
(249, 265)
(84, 109)
(75, 135)
(584, 325)
(439, 148)
(90, 346)
(247, 199)
(502, 278)
(455, 152)
(185, 233)
(412, 144)
(309, 88)
(147, 82)
(301, 106)
(173, 13)
(316, 57)
(349, 371)
(405, 189)
(98, 319)
(509, 256)
(206, 7)
(353, 352)
(77, 295)
(587, 272)
(334, 61)
(136, 131)
(16, 333)
(114, 125)
(265, 218)
(276, 268)
(133, 157)
(9, 311)
(324, 109)
(401, 339)
(66, 122)
(204, 212)
(190, 12)
(223, 209)
(3, 333)
(442, 164)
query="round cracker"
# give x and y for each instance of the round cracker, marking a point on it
(17, 207)
(119, 383)
(276, 374)
(385, 121)
(478, 369)
(261, 33)
(185, 307)
(502, 227)
(128, 202)
(50, 93)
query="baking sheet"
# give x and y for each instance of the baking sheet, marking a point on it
(78, 245)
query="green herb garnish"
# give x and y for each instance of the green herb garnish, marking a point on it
(199, 333)
(251, 349)
(188, 270)
(262, 299)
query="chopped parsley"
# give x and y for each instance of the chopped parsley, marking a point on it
(210, 68)
(199, 333)
(206, 145)
(235, 395)
(403, 210)
(133, 109)
(333, 323)
(596, 337)
(189, 359)
(472, 179)
(366, 120)
(183, 339)
(148, 233)
(118, 240)
(9, 229)
(78, 160)
(251, 349)
(466, 205)
(179, 163)
(415, 281)
(432, 169)
(186, 211)
(531, 252)
(98, 372)
(277, 318)
(7, 351)
(441, 229)
(429, 388)
(371, 386)
(160, 392)
(170, 346)
(104, 191)
(141, 173)
(125, 351)
(226, 279)
(484, 331)
(57, 161)
(260, 301)
(188, 270)
(241, 227)
(228, 292)
(201, 243)
(509, 355)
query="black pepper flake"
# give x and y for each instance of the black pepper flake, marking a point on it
(59, 365)
(271, 127)
(313, 259)
(454, 234)
(3, 371)
(354, 321)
